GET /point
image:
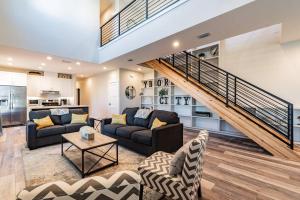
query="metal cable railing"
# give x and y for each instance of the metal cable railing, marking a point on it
(132, 15)
(237, 93)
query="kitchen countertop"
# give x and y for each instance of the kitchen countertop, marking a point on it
(50, 107)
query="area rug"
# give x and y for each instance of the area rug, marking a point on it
(46, 164)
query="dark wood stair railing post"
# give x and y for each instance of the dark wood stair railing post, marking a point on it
(147, 9)
(119, 24)
(235, 91)
(227, 89)
(199, 70)
(291, 124)
(187, 65)
(101, 36)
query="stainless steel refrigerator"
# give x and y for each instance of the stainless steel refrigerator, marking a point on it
(13, 105)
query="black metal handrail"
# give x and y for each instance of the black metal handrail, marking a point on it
(238, 94)
(130, 16)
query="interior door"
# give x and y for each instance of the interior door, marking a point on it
(18, 105)
(5, 105)
(113, 98)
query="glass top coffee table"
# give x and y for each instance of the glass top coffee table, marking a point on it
(88, 149)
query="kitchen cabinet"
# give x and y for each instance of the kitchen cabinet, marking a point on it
(36, 84)
(13, 78)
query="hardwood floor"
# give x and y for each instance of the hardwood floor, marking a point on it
(234, 169)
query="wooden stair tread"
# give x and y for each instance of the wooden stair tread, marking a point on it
(248, 127)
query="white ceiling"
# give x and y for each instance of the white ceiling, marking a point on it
(24, 59)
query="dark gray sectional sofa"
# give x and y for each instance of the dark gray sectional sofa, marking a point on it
(52, 135)
(138, 136)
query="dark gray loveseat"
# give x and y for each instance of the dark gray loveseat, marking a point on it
(52, 135)
(137, 135)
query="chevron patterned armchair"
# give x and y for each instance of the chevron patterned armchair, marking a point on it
(155, 172)
(123, 185)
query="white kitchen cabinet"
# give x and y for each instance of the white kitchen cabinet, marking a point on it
(19, 79)
(13, 78)
(34, 86)
(5, 78)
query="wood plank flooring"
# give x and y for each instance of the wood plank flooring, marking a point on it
(235, 169)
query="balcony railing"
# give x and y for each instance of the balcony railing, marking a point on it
(129, 17)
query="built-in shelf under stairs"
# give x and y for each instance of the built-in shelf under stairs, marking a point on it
(260, 115)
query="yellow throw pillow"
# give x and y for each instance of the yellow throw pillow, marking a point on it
(43, 122)
(157, 123)
(79, 119)
(118, 119)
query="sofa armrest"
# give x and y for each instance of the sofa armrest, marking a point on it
(122, 184)
(106, 121)
(91, 122)
(168, 138)
(31, 134)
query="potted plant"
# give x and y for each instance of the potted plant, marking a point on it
(163, 92)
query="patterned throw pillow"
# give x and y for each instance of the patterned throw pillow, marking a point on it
(177, 162)
(157, 123)
(193, 164)
(143, 113)
(118, 119)
(43, 122)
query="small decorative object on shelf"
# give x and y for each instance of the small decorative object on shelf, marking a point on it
(163, 92)
(203, 114)
(87, 132)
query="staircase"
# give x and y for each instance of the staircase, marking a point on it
(260, 115)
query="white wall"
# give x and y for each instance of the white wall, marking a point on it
(259, 58)
(130, 78)
(95, 91)
(68, 28)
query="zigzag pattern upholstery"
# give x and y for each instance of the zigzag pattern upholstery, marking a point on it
(155, 170)
(193, 164)
(118, 186)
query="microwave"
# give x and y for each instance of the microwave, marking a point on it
(33, 102)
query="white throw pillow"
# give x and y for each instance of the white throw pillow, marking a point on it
(143, 113)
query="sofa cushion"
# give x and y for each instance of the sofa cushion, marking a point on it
(39, 114)
(52, 130)
(74, 127)
(142, 137)
(130, 112)
(56, 119)
(164, 116)
(141, 122)
(126, 131)
(111, 128)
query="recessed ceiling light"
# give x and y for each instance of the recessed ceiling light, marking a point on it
(43, 64)
(176, 44)
(69, 68)
(49, 58)
(104, 67)
(77, 63)
(204, 35)
(40, 67)
(81, 75)
(130, 60)
(10, 59)
(10, 63)
(139, 69)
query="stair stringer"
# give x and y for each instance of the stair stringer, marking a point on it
(239, 121)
